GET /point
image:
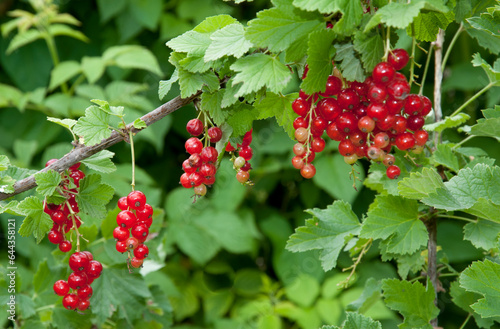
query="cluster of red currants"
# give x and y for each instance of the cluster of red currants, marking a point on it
(245, 153)
(65, 215)
(134, 221)
(200, 167)
(85, 271)
(367, 118)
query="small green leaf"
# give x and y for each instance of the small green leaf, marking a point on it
(426, 26)
(241, 119)
(371, 48)
(303, 290)
(47, 182)
(483, 234)
(464, 299)
(319, 60)
(420, 184)
(486, 127)
(7, 184)
(213, 23)
(445, 156)
(280, 107)
(60, 29)
(165, 85)
(94, 196)
(259, 70)
(66, 123)
(63, 72)
(448, 122)
(22, 39)
(493, 73)
(356, 320)
(370, 295)
(395, 220)
(190, 83)
(327, 231)
(413, 301)
(101, 162)
(487, 22)
(350, 65)
(93, 127)
(4, 162)
(191, 42)
(139, 124)
(483, 277)
(228, 41)
(37, 222)
(93, 68)
(212, 103)
(132, 57)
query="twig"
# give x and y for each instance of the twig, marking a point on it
(82, 152)
(438, 78)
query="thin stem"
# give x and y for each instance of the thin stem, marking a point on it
(450, 46)
(357, 261)
(468, 138)
(387, 44)
(432, 273)
(412, 64)
(426, 68)
(466, 320)
(51, 45)
(458, 217)
(130, 134)
(438, 78)
(470, 100)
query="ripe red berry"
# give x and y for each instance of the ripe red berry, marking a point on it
(75, 166)
(194, 161)
(195, 179)
(194, 127)
(51, 161)
(136, 262)
(348, 99)
(77, 175)
(59, 217)
(346, 147)
(300, 122)
(298, 149)
(141, 251)
(187, 167)
(389, 160)
(357, 138)
(122, 203)
(55, 237)
(131, 243)
(209, 154)
(381, 140)
(121, 233)
(405, 141)
(193, 145)
(383, 73)
(386, 123)
(413, 105)
(139, 232)
(70, 301)
(366, 124)
(144, 213)
(298, 162)
(334, 133)
(398, 58)
(308, 171)
(377, 111)
(65, 246)
(393, 172)
(121, 246)
(136, 199)
(377, 93)
(427, 107)
(246, 153)
(83, 304)
(84, 292)
(318, 144)
(333, 86)
(415, 122)
(347, 122)
(360, 87)
(185, 182)
(393, 105)
(399, 125)
(421, 137)
(214, 134)
(207, 169)
(398, 89)
(61, 287)
(126, 218)
(78, 262)
(209, 180)
(301, 106)
(76, 280)
(94, 270)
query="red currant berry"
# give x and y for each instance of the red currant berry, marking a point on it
(65, 246)
(78, 262)
(386, 123)
(131, 243)
(319, 124)
(121, 233)
(366, 124)
(301, 106)
(76, 280)
(59, 217)
(121, 246)
(193, 145)
(145, 212)
(246, 153)
(413, 105)
(381, 140)
(298, 149)
(247, 166)
(297, 162)
(77, 175)
(393, 105)
(318, 144)
(415, 122)
(51, 161)
(122, 203)
(393, 172)
(55, 237)
(361, 151)
(196, 179)
(300, 122)
(334, 133)
(75, 166)
(195, 161)
(207, 169)
(70, 301)
(83, 304)
(209, 180)
(194, 127)
(357, 138)
(141, 251)
(94, 270)
(360, 88)
(427, 107)
(186, 166)
(185, 182)
(377, 111)
(209, 154)
(333, 86)
(214, 134)
(399, 125)
(199, 190)
(61, 287)
(421, 137)
(377, 93)
(347, 122)
(301, 134)
(89, 255)
(398, 89)
(348, 99)
(139, 232)
(389, 160)
(136, 199)
(383, 73)
(242, 176)
(126, 219)
(405, 141)
(398, 58)
(346, 148)
(373, 152)
(136, 262)
(84, 292)
(308, 171)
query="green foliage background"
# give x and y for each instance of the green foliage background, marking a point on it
(221, 262)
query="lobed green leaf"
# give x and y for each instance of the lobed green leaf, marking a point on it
(37, 222)
(93, 196)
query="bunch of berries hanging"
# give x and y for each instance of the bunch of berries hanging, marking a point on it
(200, 167)
(134, 221)
(367, 118)
(85, 271)
(65, 215)
(245, 153)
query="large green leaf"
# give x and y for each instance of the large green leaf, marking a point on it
(483, 234)
(319, 60)
(327, 231)
(93, 196)
(230, 40)
(37, 222)
(47, 182)
(420, 184)
(371, 48)
(94, 126)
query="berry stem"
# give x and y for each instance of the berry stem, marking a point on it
(470, 100)
(426, 68)
(357, 260)
(450, 46)
(463, 141)
(132, 151)
(412, 64)
(387, 43)
(75, 227)
(465, 321)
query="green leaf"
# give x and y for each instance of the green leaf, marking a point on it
(486, 127)
(101, 161)
(462, 9)
(426, 26)
(139, 124)
(400, 15)
(420, 184)
(37, 222)
(132, 57)
(371, 48)
(93, 127)
(109, 295)
(487, 22)
(483, 234)
(319, 60)
(7, 184)
(395, 220)
(350, 65)
(212, 103)
(230, 92)
(484, 39)
(66, 123)
(466, 188)
(213, 23)
(241, 119)
(413, 301)
(47, 182)
(280, 107)
(196, 64)
(148, 13)
(303, 290)
(370, 295)
(327, 231)
(483, 278)
(4, 162)
(277, 28)
(493, 73)
(63, 72)
(93, 68)
(228, 41)
(486, 209)
(358, 321)
(445, 156)
(259, 70)
(94, 196)
(191, 42)
(190, 83)
(22, 39)
(60, 29)
(165, 85)
(448, 122)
